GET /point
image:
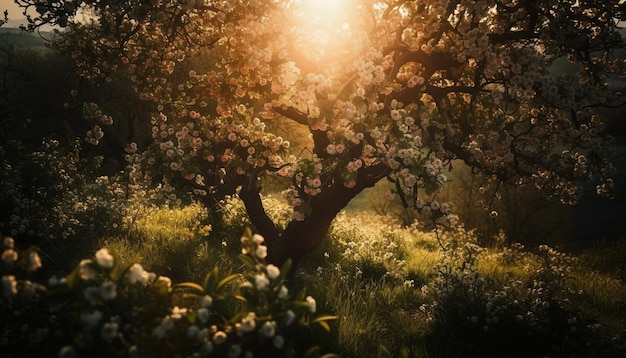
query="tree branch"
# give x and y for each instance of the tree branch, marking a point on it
(293, 114)
(251, 197)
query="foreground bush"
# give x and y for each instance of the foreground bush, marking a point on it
(94, 313)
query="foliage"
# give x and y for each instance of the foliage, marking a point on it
(401, 90)
(174, 241)
(388, 89)
(53, 193)
(461, 299)
(93, 312)
(511, 317)
(607, 257)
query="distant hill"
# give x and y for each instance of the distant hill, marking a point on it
(15, 24)
(17, 37)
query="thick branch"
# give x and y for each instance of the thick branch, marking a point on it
(250, 195)
(292, 113)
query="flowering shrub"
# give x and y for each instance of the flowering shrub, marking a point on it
(91, 312)
(52, 191)
(471, 314)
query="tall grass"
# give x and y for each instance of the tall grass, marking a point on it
(387, 284)
(177, 242)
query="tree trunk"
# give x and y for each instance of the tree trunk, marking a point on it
(302, 237)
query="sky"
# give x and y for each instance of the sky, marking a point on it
(15, 14)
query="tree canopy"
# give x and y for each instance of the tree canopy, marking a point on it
(389, 89)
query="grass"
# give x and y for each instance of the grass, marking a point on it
(177, 243)
(376, 276)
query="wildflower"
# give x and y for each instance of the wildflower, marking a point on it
(33, 262)
(92, 295)
(203, 315)
(248, 323)
(8, 242)
(85, 269)
(165, 280)
(268, 329)
(261, 251)
(289, 317)
(159, 332)
(283, 292)
(193, 332)
(136, 273)
(278, 342)
(257, 239)
(207, 301)
(9, 256)
(9, 286)
(67, 352)
(91, 319)
(177, 312)
(104, 259)
(219, 337)
(261, 282)
(272, 271)
(108, 290)
(312, 304)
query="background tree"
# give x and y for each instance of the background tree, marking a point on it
(386, 89)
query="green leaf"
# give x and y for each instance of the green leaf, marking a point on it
(226, 280)
(210, 281)
(247, 260)
(284, 269)
(324, 325)
(312, 352)
(73, 279)
(384, 351)
(191, 285)
(325, 318)
(301, 304)
(331, 355)
(300, 296)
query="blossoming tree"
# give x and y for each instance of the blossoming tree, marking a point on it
(386, 89)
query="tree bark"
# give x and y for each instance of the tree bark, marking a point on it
(300, 238)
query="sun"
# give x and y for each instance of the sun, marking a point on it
(326, 13)
(324, 6)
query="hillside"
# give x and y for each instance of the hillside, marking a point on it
(17, 37)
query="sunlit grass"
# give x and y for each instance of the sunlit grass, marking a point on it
(371, 272)
(176, 242)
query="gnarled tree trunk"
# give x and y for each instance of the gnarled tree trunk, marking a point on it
(302, 237)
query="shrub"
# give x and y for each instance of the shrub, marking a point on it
(475, 315)
(93, 312)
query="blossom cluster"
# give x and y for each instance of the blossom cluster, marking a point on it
(426, 94)
(133, 311)
(93, 114)
(48, 191)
